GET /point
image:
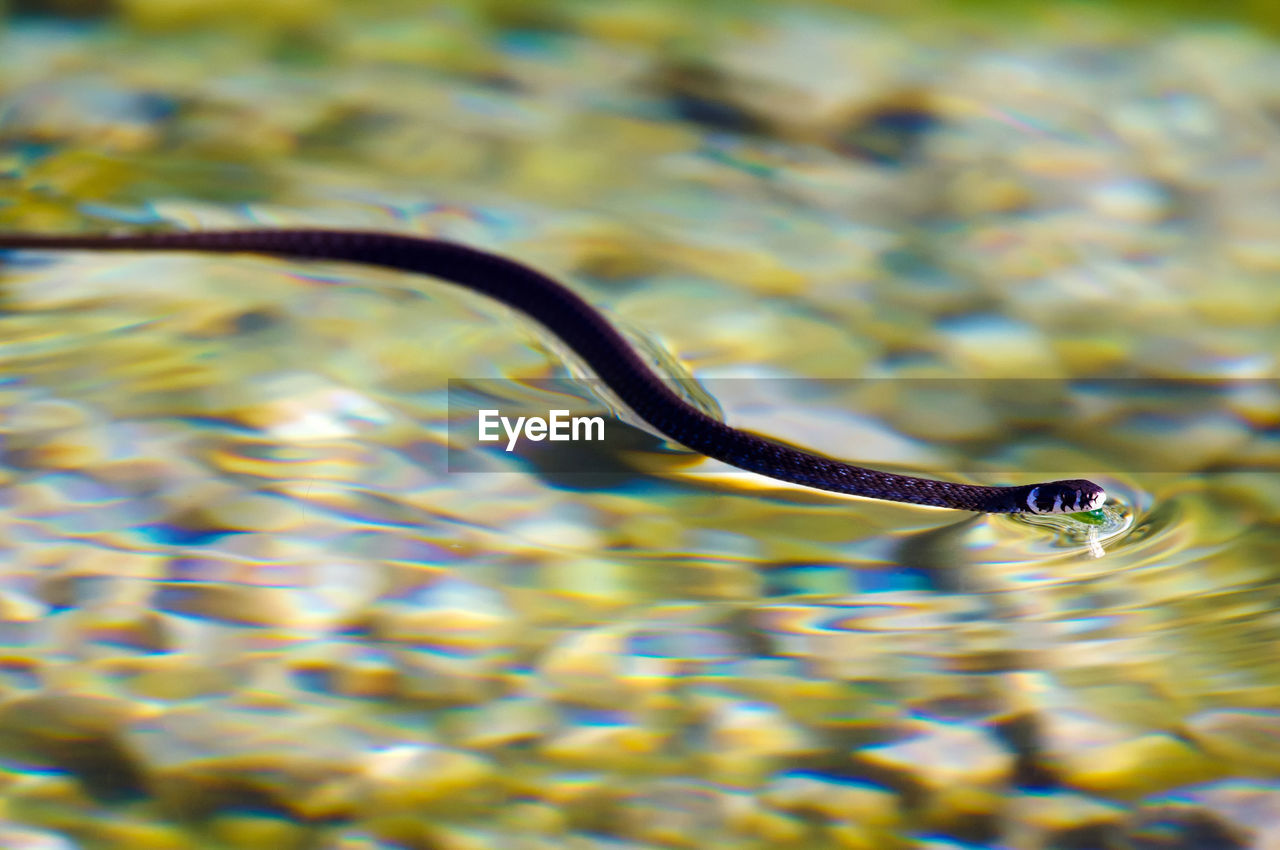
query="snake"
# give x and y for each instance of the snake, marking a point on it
(601, 347)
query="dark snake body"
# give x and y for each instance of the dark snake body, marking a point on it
(602, 348)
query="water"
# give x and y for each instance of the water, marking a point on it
(247, 603)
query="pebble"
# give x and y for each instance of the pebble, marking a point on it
(748, 816)
(413, 778)
(171, 677)
(258, 832)
(446, 612)
(80, 735)
(199, 762)
(1053, 818)
(1248, 810)
(738, 727)
(998, 347)
(839, 801)
(230, 604)
(683, 813)
(1239, 736)
(593, 667)
(1176, 440)
(136, 832)
(54, 435)
(505, 722)
(1179, 824)
(1129, 766)
(17, 837)
(158, 16)
(962, 768)
(612, 741)
(348, 670)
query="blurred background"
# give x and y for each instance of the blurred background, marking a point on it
(245, 603)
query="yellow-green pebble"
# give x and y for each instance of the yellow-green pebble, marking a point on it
(258, 832)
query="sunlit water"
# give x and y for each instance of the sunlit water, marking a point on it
(245, 589)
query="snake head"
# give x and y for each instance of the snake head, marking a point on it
(1065, 497)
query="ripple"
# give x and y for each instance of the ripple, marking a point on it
(1092, 531)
